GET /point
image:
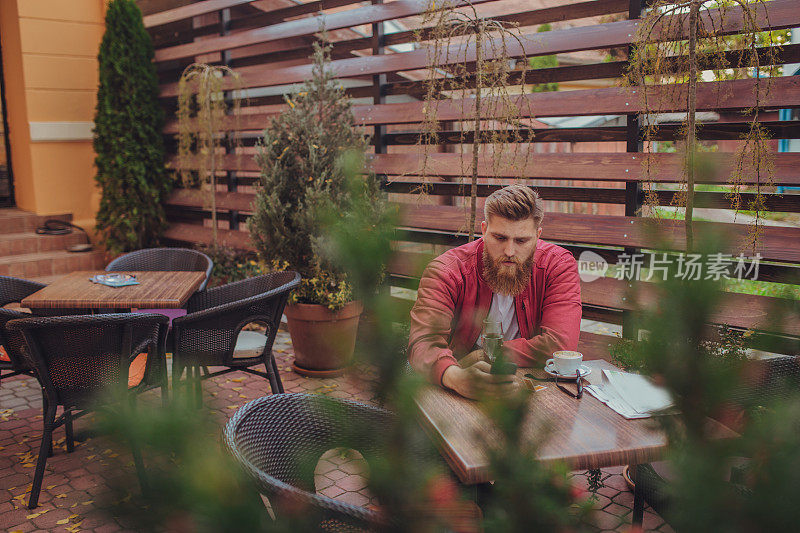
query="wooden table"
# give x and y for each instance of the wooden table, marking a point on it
(585, 433)
(156, 290)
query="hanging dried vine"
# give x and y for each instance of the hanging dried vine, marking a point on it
(469, 61)
(678, 45)
(203, 130)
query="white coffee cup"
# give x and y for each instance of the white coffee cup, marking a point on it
(565, 362)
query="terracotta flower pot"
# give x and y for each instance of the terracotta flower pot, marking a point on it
(323, 340)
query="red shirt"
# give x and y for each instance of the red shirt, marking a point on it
(454, 299)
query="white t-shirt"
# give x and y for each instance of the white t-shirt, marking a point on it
(503, 311)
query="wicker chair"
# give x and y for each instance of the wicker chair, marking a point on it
(164, 259)
(12, 360)
(767, 380)
(207, 335)
(79, 358)
(279, 439)
(13, 290)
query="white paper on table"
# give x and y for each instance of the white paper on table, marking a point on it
(638, 391)
(630, 395)
(614, 401)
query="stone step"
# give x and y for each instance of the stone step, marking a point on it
(14, 220)
(30, 242)
(42, 264)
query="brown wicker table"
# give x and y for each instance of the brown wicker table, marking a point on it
(585, 433)
(156, 290)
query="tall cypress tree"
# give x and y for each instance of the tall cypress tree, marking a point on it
(128, 134)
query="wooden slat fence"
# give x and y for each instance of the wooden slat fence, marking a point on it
(591, 173)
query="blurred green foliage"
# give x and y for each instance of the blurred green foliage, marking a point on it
(538, 62)
(712, 381)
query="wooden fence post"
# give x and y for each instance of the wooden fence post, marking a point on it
(232, 177)
(633, 189)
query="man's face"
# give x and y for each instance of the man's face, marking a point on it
(508, 253)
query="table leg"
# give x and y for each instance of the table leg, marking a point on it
(480, 493)
(638, 496)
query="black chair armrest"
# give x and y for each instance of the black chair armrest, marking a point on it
(218, 297)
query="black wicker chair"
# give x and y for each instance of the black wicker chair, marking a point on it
(207, 335)
(279, 439)
(77, 359)
(765, 381)
(164, 259)
(13, 290)
(12, 346)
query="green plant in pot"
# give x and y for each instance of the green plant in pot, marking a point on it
(302, 176)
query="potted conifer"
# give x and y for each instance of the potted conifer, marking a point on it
(302, 176)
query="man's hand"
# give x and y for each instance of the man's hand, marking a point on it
(472, 357)
(476, 382)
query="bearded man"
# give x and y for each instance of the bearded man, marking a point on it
(530, 286)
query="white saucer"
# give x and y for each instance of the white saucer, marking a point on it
(549, 370)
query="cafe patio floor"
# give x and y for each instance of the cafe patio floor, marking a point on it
(73, 482)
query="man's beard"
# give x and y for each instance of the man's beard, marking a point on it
(504, 279)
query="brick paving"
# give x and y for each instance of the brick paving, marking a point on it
(73, 482)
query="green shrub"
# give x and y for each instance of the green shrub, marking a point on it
(302, 175)
(127, 134)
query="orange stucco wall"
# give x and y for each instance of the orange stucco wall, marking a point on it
(50, 70)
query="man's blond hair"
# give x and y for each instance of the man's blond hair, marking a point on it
(515, 202)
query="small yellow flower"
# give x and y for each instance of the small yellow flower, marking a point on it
(289, 101)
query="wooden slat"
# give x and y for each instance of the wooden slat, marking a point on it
(710, 131)
(785, 129)
(227, 201)
(782, 14)
(193, 233)
(300, 27)
(565, 193)
(746, 311)
(526, 18)
(594, 346)
(242, 17)
(775, 243)
(712, 96)
(786, 54)
(620, 166)
(242, 202)
(191, 10)
(615, 69)
(612, 166)
(774, 203)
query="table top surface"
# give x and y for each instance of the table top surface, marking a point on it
(157, 290)
(583, 433)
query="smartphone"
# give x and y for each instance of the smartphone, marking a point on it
(502, 367)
